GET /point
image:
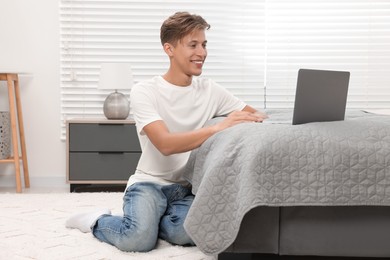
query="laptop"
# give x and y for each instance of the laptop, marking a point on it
(321, 95)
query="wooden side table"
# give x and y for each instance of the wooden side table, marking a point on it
(15, 109)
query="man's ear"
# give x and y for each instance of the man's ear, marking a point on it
(168, 48)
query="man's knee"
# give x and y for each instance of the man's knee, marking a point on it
(137, 242)
(179, 238)
(174, 232)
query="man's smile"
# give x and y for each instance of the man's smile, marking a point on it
(198, 63)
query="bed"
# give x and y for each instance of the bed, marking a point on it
(319, 189)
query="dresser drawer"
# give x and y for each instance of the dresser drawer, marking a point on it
(102, 166)
(101, 137)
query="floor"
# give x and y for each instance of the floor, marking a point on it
(32, 227)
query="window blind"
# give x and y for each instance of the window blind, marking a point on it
(93, 32)
(350, 35)
(255, 47)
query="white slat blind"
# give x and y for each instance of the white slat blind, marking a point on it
(97, 31)
(255, 47)
(351, 35)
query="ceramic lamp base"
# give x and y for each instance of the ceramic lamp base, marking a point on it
(116, 106)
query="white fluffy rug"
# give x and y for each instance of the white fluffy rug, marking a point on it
(32, 227)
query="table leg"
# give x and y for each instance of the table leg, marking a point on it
(21, 133)
(14, 130)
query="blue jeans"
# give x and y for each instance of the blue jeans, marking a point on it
(150, 211)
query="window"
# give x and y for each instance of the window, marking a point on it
(335, 35)
(255, 47)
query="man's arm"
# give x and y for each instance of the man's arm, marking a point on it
(170, 143)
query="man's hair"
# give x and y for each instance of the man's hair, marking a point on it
(177, 26)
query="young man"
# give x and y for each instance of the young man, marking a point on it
(170, 112)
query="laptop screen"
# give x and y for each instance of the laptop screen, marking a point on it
(321, 95)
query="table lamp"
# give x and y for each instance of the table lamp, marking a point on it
(116, 76)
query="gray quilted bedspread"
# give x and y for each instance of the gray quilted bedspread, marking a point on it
(254, 164)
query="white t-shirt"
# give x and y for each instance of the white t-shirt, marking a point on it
(182, 109)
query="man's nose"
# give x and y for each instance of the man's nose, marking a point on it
(201, 51)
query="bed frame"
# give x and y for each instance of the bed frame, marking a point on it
(336, 231)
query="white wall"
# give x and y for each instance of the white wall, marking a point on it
(29, 42)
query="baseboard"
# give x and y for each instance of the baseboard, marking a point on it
(39, 181)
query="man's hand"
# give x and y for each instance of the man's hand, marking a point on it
(238, 117)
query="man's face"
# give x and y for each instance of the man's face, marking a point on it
(190, 53)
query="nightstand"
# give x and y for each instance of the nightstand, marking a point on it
(101, 151)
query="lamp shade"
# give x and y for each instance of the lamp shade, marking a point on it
(115, 76)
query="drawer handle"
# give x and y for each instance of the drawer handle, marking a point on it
(111, 152)
(107, 124)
